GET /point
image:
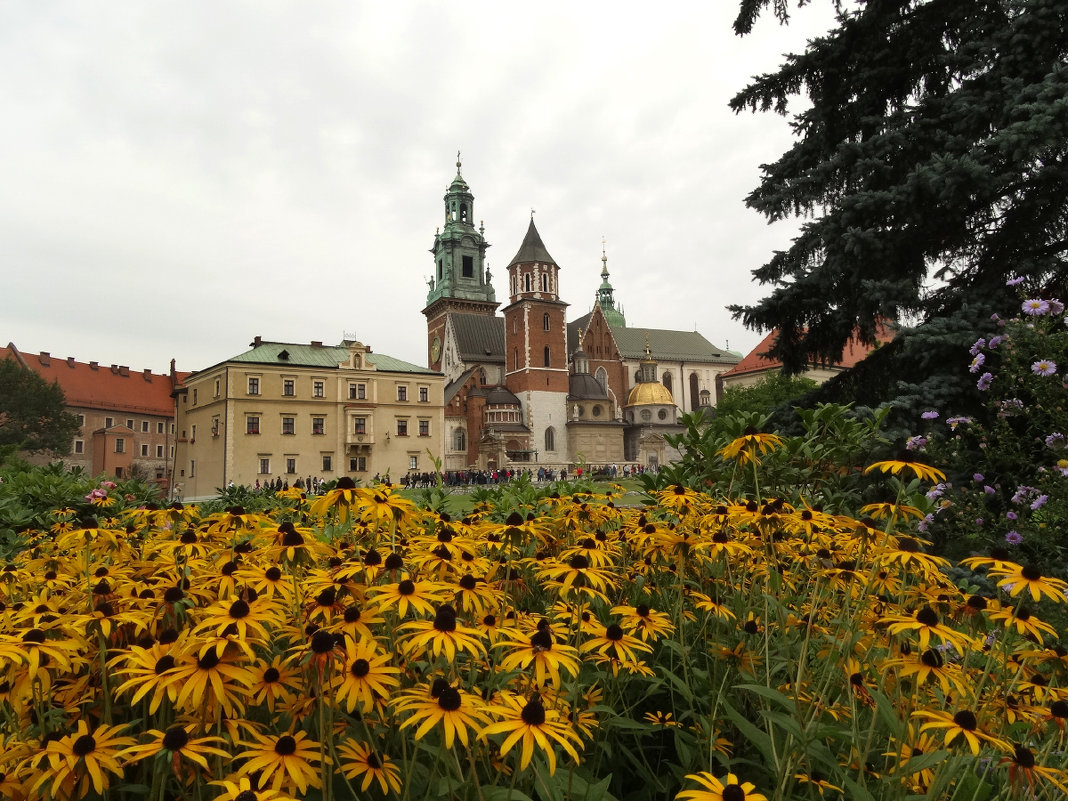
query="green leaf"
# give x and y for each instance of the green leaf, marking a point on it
(750, 732)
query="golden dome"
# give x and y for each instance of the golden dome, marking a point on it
(650, 393)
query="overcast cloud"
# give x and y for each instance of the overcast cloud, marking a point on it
(180, 177)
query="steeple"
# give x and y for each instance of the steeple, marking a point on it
(459, 249)
(606, 294)
(532, 272)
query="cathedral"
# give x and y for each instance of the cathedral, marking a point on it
(525, 388)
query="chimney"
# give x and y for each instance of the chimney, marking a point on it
(70, 361)
(124, 371)
(114, 369)
(316, 344)
(148, 375)
(256, 342)
(94, 365)
(45, 358)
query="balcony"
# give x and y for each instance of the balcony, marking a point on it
(366, 438)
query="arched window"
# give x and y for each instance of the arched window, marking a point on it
(602, 378)
(546, 355)
(694, 392)
(545, 322)
(527, 281)
(463, 212)
(482, 376)
(667, 381)
(459, 440)
(550, 439)
(544, 282)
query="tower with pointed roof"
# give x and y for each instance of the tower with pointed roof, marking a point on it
(535, 341)
(606, 295)
(461, 282)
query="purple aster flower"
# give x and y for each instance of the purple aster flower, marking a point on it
(930, 415)
(1055, 440)
(1015, 281)
(1055, 306)
(1035, 307)
(936, 492)
(1013, 537)
(988, 489)
(977, 362)
(977, 477)
(984, 382)
(916, 443)
(978, 346)
(1011, 515)
(995, 341)
(1044, 367)
(956, 421)
(923, 524)
(1024, 493)
(978, 521)
(1039, 502)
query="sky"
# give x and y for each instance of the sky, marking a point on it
(181, 177)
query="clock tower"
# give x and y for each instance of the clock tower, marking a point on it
(461, 279)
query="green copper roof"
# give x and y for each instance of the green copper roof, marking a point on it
(322, 356)
(532, 249)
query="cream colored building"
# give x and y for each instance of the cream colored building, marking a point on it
(289, 411)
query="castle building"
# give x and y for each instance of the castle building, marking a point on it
(524, 386)
(283, 411)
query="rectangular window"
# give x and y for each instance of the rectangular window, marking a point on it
(402, 393)
(194, 397)
(79, 446)
(130, 423)
(424, 428)
(469, 266)
(358, 464)
(108, 422)
(402, 428)
(289, 425)
(352, 392)
(81, 419)
(194, 437)
(424, 394)
(144, 426)
(120, 445)
(159, 428)
(361, 392)
(318, 389)
(360, 425)
(413, 462)
(144, 450)
(159, 451)
(217, 387)
(318, 425)
(192, 468)
(252, 425)
(289, 386)
(253, 386)
(328, 463)
(265, 466)
(291, 465)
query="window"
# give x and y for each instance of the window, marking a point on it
(526, 283)
(318, 425)
(159, 428)
(291, 464)
(289, 425)
(413, 462)
(545, 322)
(81, 419)
(318, 389)
(352, 392)
(144, 450)
(360, 425)
(602, 378)
(424, 394)
(265, 466)
(194, 437)
(108, 422)
(424, 428)
(647, 415)
(550, 439)
(515, 358)
(361, 392)
(459, 440)
(289, 387)
(253, 386)
(120, 445)
(144, 426)
(216, 387)
(358, 464)
(79, 446)
(469, 267)
(545, 285)
(159, 451)
(662, 414)
(328, 463)
(402, 428)
(252, 425)
(194, 397)
(546, 355)
(597, 410)
(129, 423)
(402, 393)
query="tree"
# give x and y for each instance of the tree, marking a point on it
(33, 413)
(930, 165)
(764, 397)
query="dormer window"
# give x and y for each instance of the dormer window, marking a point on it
(284, 355)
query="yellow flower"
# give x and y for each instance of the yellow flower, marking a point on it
(359, 759)
(728, 789)
(456, 710)
(962, 724)
(532, 725)
(896, 466)
(284, 761)
(83, 758)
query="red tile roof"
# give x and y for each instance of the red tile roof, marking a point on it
(755, 361)
(96, 386)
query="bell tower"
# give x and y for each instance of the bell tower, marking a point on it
(461, 279)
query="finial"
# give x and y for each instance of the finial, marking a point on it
(457, 162)
(604, 259)
(532, 214)
(648, 353)
(482, 226)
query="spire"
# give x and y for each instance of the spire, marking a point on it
(532, 249)
(606, 294)
(459, 248)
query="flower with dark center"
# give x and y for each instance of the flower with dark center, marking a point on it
(1023, 757)
(1059, 709)
(176, 738)
(273, 573)
(406, 587)
(360, 668)
(291, 538)
(642, 610)
(489, 620)
(168, 636)
(449, 699)
(105, 608)
(445, 619)
(102, 587)
(442, 552)
(34, 636)
(188, 538)
(976, 602)
(733, 792)
(239, 609)
(437, 687)
(372, 558)
(468, 582)
(908, 544)
(966, 720)
(857, 679)
(579, 562)
(326, 597)
(285, 745)
(352, 614)
(322, 642)
(394, 561)
(533, 713)
(1031, 573)
(345, 483)
(614, 632)
(173, 595)
(514, 519)
(84, 745)
(542, 639)
(751, 627)
(228, 569)
(932, 658)
(927, 616)
(208, 660)
(246, 795)
(445, 535)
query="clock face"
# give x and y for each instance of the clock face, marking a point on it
(435, 349)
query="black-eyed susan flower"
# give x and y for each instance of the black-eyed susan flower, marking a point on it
(355, 622)
(457, 711)
(750, 446)
(613, 641)
(931, 665)
(207, 677)
(962, 724)
(1024, 769)
(529, 724)
(283, 762)
(420, 596)
(177, 743)
(240, 618)
(338, 501)
(442, 636)
(926, 623)
(240, 789)
(367, 676)
(897, 466)
(727, 789)
(150, 675)
(1015, 580)
(84, 758)
(815, 778)
(1021, 620)
(647, 623)
(272, 683)
(360, 762)
(542, 653)
(577, 576)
